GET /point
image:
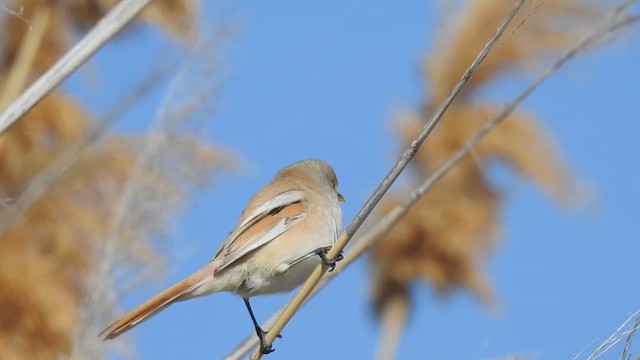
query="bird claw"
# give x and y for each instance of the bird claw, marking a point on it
(331, 263)
(264, 349)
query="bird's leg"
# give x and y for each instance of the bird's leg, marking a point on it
(264, 349)
(331, 263)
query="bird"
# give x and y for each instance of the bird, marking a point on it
(281, 236)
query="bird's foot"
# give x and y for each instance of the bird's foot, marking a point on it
(331, 263)
(264, 348)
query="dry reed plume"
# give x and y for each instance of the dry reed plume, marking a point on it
(47, 254)
(445, 237)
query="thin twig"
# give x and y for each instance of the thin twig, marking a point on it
(627, 343)
(104, 30)
(615, 337)
(534, 7)
(17, 13)
(393, 174)
(385, 224)
(70, 155)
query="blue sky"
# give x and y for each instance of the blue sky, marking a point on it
(323, 80)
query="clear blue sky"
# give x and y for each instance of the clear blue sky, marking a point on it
(322, 79)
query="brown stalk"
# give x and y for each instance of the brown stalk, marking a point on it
(393, 174)
(392, 324)
(386, 223)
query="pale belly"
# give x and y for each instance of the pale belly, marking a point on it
(278, 281)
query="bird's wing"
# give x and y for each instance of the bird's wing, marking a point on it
(261, 225)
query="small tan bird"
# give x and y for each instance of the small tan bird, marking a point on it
(283, 233)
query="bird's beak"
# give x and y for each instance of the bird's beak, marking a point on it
(340, 197)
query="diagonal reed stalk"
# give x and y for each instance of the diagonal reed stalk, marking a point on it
(393, 174)
(364, 243)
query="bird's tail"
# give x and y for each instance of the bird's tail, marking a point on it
(179, 291)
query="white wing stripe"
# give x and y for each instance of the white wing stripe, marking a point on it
(277, 201)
